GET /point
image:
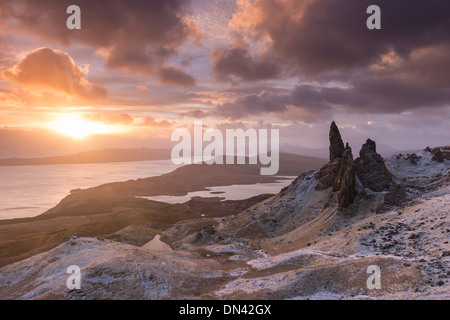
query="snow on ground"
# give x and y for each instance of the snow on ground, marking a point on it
(425, 168)
(410, 244)
(110, 270)
(301, 257)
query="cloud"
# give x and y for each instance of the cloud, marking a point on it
(142, 89)
(152, 122)
(375, 92)
(253, 104)
(45, 69)
(326, 42)
(238, 62)
(10, 99)
(245, 106)
(135, 36)
(126, 119)
(175, 76)
(199, 114)
(312, 102)
(110, 119)
(320, 36)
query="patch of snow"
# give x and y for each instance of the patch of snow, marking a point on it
(211, 275)
(274, 282)
(301, 255)
(403, 169)
(237, 272)
(238, 257)
(320, 296)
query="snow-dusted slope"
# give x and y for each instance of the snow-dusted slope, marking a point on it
(416, 169)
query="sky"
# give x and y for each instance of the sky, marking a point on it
(137, 70)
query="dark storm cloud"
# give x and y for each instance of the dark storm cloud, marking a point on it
(175, 76)
(323, 35)
(373, 94)
(401, 67)
(240, 63)
(305, 97)
(254, 104)
(134, 36)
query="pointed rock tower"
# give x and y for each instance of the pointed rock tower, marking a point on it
(339, 173)
(336, 144)
(346, 181)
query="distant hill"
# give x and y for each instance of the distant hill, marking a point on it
(93, 156)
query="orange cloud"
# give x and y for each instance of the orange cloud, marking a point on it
(139, 37)
(152, 122)
(9, 99)
(110, 119)
(48, 70)
(142, 89)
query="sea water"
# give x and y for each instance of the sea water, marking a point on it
(27, 191)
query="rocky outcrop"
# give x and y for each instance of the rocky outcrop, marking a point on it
(394, 198)
(371, 169)
(445, 152)
(345, 182)
(342, 172)
(437, 154)
(336, 144)
(339, 173)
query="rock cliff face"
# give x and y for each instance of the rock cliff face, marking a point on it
(371, 170)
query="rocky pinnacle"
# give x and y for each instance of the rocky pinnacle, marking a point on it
(370, 168)
(336, 144)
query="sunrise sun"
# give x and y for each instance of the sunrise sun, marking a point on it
(79, 128)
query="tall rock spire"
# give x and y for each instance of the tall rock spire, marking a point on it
(339, 173)
(345, 180)
(336, 144)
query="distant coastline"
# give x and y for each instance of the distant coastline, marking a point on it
(93, 156)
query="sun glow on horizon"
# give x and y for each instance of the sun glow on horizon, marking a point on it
(76, 127)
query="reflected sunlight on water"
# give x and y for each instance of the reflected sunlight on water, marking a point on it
(233, 192)
(28, 191)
